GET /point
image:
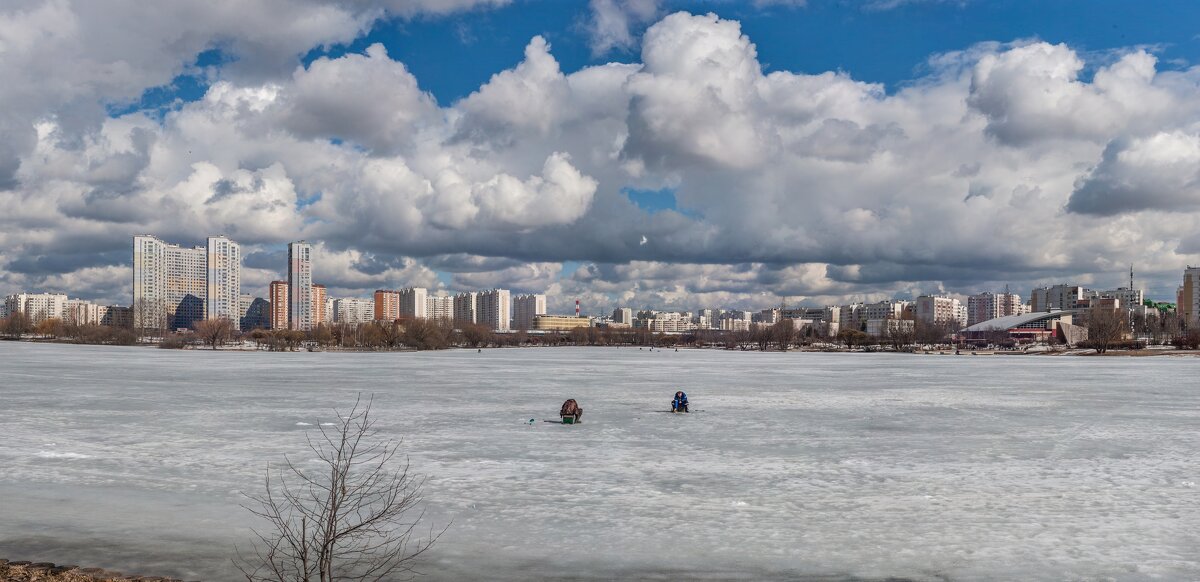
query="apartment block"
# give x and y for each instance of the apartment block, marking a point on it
(414, 303)
(1188, 305)
(38, 307)
(223, 263)
(493, 309)
(465, 308)
(1057, 297)
(318, 306)
(941, 310)
(387, 305)
(439, 307)
(526, 308)
(300, 292)
(278, 297)
(353, 311)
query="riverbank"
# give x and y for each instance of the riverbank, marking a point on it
(20, 571)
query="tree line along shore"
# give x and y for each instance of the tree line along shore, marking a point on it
(425, 334)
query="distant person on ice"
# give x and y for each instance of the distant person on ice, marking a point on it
(679, 403)
(571, 408)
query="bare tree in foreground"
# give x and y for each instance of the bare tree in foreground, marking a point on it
(351, 517)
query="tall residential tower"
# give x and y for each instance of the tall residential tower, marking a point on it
(300, 292)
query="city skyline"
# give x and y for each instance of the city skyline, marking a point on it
(655, 154)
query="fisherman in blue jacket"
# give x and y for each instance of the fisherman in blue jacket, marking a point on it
(680, 403)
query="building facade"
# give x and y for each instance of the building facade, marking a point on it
(278, 297)
(939, 310)
(387, 305)
(1056, 297)
(493, 309)
(414, 303)
(987, 306)
(526, 308)
(318, 299)
(439, 307)
(38, 307)
(464, 308)
(300, 292)
(223, 264)
(353, 311)
(255, 313)
(170, 284)
(1188, 298)
(543, 322)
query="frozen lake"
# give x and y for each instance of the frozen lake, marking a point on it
(801, 466)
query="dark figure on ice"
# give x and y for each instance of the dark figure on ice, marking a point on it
(679, 403)
(570, 408)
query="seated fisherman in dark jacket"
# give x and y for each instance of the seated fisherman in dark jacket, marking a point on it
(680, 403)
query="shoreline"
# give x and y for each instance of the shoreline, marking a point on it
(1089, 352)
(22, 571)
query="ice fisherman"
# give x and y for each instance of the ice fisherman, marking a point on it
(571, 408)
(679, 403)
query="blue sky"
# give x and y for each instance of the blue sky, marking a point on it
(453, 55)
(694, 179)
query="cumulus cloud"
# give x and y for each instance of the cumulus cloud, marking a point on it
(818, 187)
(1158, 172)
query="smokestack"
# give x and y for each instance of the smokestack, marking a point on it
(576, 308)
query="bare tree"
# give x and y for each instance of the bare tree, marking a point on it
(350, 518)
(17, 324)
(215, 332)
(784, 332)
(1105, 327)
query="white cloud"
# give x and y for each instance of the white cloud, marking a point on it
(810, 186)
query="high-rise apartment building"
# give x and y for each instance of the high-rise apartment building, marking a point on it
(464, 308)
(318, 301)
(492, 309)
(387, 305)
(300, 292)
(279, 304)
(170, 284)
(1188, 298)
(439, 307)
(413, 304)
(624, 315)
(526, 308)
(224, 279)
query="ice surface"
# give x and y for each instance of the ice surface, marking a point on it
(801, 465)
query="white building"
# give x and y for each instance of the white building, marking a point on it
(414, 303)
(526, 308)
(354, 311)
(1130, 298)
(767, 317)
(38, 307)
(170, 283)
(464, 308)
(1057, 297)
(300, 291)
(493, 309)
(224, 279)
(665, 321)
(939, 310)
(988, 306)
(623, 315)
(80, 312)
(439, 307)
